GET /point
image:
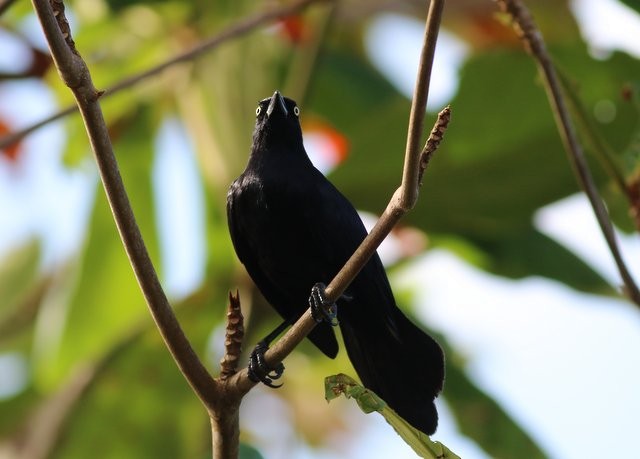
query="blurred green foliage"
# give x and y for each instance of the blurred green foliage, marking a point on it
(85, 325)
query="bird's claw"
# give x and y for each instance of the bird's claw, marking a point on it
(321, 309)
(260, 371)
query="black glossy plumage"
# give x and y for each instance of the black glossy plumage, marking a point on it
(292, 228)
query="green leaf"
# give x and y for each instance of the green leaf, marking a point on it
(146, 408)
(633, 4)
(15, 409)
(138, 402)
(529, 252)
(107, 298)
(368, 402)
(249, 452)
(500, 161)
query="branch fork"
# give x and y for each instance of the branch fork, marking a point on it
(222, 396)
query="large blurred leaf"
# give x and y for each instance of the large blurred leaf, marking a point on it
(107, 298)
(634, 4)
(529, 252)
(20, 295)
(249, 452)
(500, 161)
(145, 406)
(132, 423)
(15, 410)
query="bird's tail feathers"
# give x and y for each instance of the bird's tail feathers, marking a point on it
(402, 364)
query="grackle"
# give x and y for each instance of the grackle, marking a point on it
(293, 230)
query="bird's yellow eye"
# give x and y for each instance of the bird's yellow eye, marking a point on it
(296, 110)
(258, 110)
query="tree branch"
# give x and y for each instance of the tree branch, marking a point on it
(601, 148)
(234, 31)
(221, 397)
(409, 187)
(75, 74)
(401, 202)
(528, 32)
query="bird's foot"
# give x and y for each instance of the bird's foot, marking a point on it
(260, 371)
(321, 309)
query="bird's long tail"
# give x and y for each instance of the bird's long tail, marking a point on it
(397, 360)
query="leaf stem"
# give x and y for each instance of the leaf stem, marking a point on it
(530, 35)
(599, 145)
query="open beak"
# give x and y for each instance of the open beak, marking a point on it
(277, 102)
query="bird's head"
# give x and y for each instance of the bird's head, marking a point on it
(277, 123)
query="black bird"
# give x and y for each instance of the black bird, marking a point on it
(292, 228)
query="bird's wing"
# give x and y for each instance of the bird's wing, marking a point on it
(284, 285)
(371, 287)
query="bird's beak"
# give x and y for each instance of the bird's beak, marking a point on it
(277, 101)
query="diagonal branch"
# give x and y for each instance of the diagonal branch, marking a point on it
(532, 39)
(221, 399)
(401, 202)
(409, 187)
(76, 75)
(239, 29)
(222, 396)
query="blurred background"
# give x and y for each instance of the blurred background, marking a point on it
(501, 259)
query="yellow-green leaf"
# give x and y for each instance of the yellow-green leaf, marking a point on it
(368, 402)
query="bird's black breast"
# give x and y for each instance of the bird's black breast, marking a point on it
(288, 231)
(278, 228)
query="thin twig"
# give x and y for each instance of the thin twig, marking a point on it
(409, 194)
(394, 211)
(236, 30)
(76, 75)
(16, 136)
(221, 397)
(15, 75)
(604, 151)
(600, 147)
(532, 38)
(633, 192)
(5, 5)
